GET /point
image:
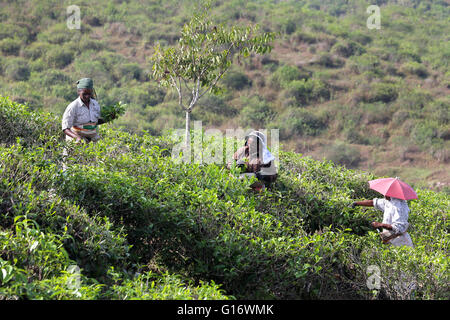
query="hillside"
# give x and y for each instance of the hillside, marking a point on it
(139, 225)
(369, 99)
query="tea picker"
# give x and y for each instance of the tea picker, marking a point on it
(83, 115)
(395, 210)
(255, 160)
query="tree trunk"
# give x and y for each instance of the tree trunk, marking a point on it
(187, 138)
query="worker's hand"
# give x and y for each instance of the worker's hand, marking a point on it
(377, 225)
(352, 205)
(254, 165)
(79, 139)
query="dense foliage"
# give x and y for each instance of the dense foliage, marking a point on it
(328, 79)
(137, 224)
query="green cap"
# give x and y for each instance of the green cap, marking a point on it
(85, 83)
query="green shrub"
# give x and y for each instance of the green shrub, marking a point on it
(306, 91)
(364, 63)
(347, 49)
(329, 61)
(360, 37)
(98, 71)
(50, 78)
(377, 113)
(439, 110)
(38, 65)
(425, 132)
(343, 154)
(414, 68)
(18, 122)
(112, 112)
(301, 122)
(216, 105)
(255, 113)
(213, 110)
(414, 101)
(236, 80)
(287, 26)
(35, 254)
(199, 221)
(286, 74)
(408, 51)
(58, 57)
(36, 50)
(382, 92)
(353, 135)
(296, 240)
(151, 286)
(67, 92)
(87, 43)
(129, 71)
(17, 69)
(14, 31)
(59, 34)
(303, 36)
(10, 46)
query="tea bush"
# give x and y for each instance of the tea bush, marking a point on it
(140, 224)
(18, 122)
(327, 40)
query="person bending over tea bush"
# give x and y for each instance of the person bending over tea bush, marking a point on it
(255, 159)
(395, 219)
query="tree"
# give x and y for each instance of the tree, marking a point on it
(204, 52)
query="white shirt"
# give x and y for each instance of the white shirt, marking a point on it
(77, 113)
(395, 213)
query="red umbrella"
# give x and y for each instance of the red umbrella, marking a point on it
(393, 187)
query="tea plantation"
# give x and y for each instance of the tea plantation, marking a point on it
(331, 84)
(126, 221)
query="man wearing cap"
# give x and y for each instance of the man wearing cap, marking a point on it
(82, 115)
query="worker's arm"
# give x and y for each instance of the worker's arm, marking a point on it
(71, 134)
(381, 225)
(370, 203)
(364, 203)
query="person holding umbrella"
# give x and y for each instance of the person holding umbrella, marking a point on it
(395, 208)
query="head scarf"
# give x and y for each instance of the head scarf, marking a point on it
(266, 155)
(85, 83)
